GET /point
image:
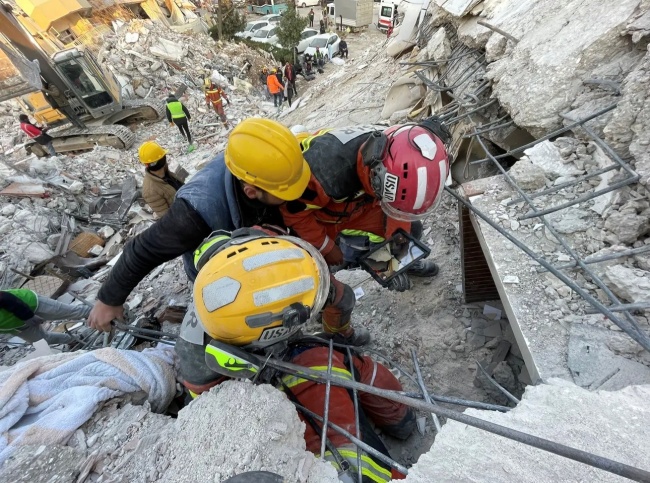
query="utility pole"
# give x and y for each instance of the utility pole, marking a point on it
(219, 20)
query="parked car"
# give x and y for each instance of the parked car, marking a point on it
(305, 39)
(251, 28)
(307, 3)
(323, 41)
(273, 18)
(266, 35)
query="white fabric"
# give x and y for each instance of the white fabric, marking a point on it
(45, 400)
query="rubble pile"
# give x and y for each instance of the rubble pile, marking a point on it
(150, 60)
(123, 442)
(607, 423)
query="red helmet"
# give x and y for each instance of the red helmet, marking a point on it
(408, 169)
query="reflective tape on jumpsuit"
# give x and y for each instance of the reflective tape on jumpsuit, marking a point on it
(369, 468)
(371, 236)
(293, 381)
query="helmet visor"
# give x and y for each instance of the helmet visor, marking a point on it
(396, 214)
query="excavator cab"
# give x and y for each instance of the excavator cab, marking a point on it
(92, 91)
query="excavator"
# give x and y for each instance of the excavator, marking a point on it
(79, 99)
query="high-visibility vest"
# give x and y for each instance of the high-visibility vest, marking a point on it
(176, 109)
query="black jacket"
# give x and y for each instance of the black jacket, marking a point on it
(180, 230)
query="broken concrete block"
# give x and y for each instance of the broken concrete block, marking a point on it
(547, 156)
(594, 366)
(629, 284)
(627, 227)
(527, 175)
(570, 221)
(141, 91)
(106, 232)
(8, 209)
(95, 250)
(131, 37)
(76, 187)
(37, 253)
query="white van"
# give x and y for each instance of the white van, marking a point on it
(387, 10)
(331, 16)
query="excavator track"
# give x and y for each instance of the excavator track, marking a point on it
(108, 133)
(75, 139)
(149, 109)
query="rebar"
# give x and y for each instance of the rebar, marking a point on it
(490, 129)
(644, 342)
(498, 30)
(425, 393)
(559, 449)
(357, 441)
(521, 149)
(604, 258)
(623, 307)
(355, 398)
(327, 399)
(561, 186)
(443, 399)
(494, 382)
(581, 199)
(633, 329)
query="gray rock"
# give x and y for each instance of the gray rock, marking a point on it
(558, 49)
(594, 366)
(570, 221)
(8, 209)
(643, 261)
(629, 284)
(547, 156)
(527, 175)
(37, 253)
(53, 241)
(629, 128)
(627, 227)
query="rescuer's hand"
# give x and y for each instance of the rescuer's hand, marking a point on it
(101, 316)
(401, 283)
(335, 257)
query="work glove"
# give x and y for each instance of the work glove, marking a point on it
(401, 283)
(399, 245)
(335, 257)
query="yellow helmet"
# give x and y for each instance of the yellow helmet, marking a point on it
(257, 290)
(150, 152)
(267, 155)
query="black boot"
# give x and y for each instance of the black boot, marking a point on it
(423, 268)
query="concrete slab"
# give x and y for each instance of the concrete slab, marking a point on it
(609, 424)
(542, 340)
(594, 366)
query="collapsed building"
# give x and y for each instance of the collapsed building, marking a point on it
(543, 234)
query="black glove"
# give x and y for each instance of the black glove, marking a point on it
(400, 283)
